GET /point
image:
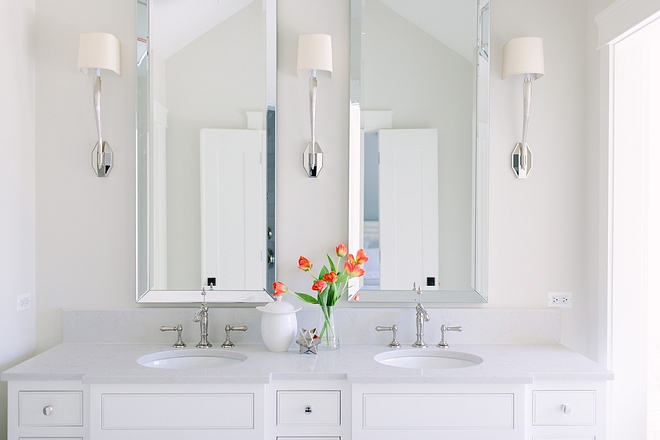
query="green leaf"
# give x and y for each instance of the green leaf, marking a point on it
(324, 270)
(332, 265)
(342, 277)
(307, 298)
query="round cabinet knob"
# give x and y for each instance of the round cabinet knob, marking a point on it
(308, 409)
(566, 409)
(48, 410)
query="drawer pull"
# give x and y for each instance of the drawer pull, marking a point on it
(566, 409)
(308, 409)
(48, 410)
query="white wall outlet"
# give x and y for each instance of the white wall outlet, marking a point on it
(22, 302)
(560, 299)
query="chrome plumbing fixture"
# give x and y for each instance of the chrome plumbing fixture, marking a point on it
(421, 316)
(232, 328)
(393, 328)
(202, 316)
(443, 329)
(178, 328)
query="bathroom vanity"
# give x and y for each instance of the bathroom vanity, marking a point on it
(99, 391)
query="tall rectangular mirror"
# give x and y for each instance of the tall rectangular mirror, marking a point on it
(418, 201)
(206, 81)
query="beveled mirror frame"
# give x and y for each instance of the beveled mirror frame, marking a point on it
(144, 294)
(479, 270)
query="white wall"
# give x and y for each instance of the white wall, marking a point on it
(85, 226)
(17, 194)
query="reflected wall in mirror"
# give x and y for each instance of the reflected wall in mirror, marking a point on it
(418, 148)
(206, 149)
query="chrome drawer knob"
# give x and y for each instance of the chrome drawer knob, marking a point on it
(566, 409)
(48, 410)
(308, 409)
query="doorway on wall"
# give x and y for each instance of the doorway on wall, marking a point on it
(635, 240)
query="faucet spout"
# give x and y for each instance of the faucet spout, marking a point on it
(421, 316)
(202, 316)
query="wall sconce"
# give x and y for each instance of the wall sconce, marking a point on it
(314, 53)
(99, 51)
(523, 56)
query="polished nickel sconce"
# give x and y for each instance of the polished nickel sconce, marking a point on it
(314, 53)
(523, 56)
(99, 51)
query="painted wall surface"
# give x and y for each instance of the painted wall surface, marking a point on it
(85, 225)
(17, 193)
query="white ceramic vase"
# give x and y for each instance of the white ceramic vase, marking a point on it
(279, 324)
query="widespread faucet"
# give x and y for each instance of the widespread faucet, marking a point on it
(421, 316)
(202, 316)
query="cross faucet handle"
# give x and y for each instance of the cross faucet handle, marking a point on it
(443, 329)
(178, 328)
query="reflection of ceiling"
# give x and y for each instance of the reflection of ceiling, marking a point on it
(176, 23)
(442, 19)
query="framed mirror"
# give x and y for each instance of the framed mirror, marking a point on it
(418, 158)
(206, 81)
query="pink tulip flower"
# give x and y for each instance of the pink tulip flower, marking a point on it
(304, 264)
(319, 286)
(279, 289)
(341, 250)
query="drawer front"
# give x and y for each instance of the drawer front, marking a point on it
(50, 438)
(177, 411)
(590, 437)
(50, 408)
(564, 408)
(432, 411)
(302, 408)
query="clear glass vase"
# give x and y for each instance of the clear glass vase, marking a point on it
(327, 330)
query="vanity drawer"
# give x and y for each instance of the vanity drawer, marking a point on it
(404, 411)
(177, 411)
(301, 408)
(548, 408)
(50, 408)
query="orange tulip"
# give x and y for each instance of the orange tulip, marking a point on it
(341, 250)
(304, 264)
(319, 286)
(353, 269)
(330, 277)
(279, 289)
(361, 257)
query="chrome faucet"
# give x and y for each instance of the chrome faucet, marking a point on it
(421, 316)
(443, 329)
(202, 316)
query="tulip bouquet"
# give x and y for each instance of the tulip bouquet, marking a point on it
(329, 285)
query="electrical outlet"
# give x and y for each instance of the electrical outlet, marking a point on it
(22, 302)
(560, 299)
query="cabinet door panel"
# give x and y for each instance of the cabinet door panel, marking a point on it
(429, 411)
(177, 411)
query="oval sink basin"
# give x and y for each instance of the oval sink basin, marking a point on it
(428, 359)
(191, 359)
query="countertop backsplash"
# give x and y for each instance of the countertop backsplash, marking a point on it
(354, 325)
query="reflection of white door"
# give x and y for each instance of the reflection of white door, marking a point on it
(233, 199)
(408, 208)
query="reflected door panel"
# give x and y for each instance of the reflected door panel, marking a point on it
(408, 208)
(233, 208)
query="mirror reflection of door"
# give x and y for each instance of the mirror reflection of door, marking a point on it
(401, 208)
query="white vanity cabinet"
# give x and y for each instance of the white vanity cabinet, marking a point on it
(432, 411)
(175, 411)
(46, 409)
(308, 410)
(575, 410)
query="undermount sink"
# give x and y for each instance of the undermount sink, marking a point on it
(428, 359)
(184, 359)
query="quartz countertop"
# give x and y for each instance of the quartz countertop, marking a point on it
(117, 363)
